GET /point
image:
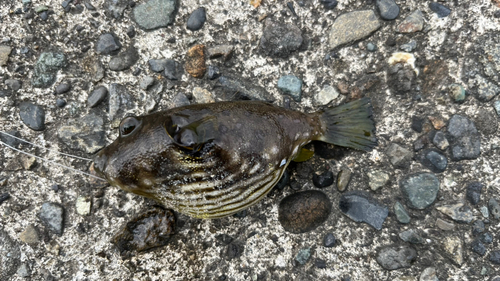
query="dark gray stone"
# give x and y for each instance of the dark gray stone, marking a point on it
(197, 19)
(236, 88)
(115, 8)
(478, 247)
(131, 31)
(329, 4)
(396, 257)
(399, 156)
(401, 213)
(10, 140)
(83, 134)
(494, 208)
(173, 70)
(486, 90)
(353, 26)
(32, 116)
(154, 14)
(62, 88)
(420, 190)
(97, 96)
(52, 216)
(473, 193)
(60, 103)
(108, 44)
(434, 160)
(280, 39)
(440, 141)
(213, 72)
(495, 257)
(46, 68)
(388, 9)
(157, 65)
(180, 100)
(486, 238)
(411, 236)
(124, 60)
(464, 138)
(409, 47)
(486, 122)
(441, 10)
(329, 240)
(10, 256)
(13, 84)
(361, 207)
(478, 227)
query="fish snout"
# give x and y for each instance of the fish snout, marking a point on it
(100, 163)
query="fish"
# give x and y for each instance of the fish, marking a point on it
(213, 160)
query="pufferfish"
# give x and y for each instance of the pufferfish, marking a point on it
(213, 160)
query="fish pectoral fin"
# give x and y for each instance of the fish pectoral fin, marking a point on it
(303, 155)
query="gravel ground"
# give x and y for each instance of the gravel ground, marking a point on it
(436, 108)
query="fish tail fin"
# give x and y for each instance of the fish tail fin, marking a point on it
(350, 125)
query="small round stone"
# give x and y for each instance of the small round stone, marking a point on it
(213, 72)
(146, 82)
(343, 179)
(495, 257)
(304, 211)
(473, 193)
(329, 4)
(441, 10)
(108, 44)
(324, 179)
(401, 213)
(371, 47)
(494, 208)
(97, 96)
(197, 19)
(329, 240)
(388, 9)
(62, 88)
(395, 257)
(420, 189)
(52, 216)
(157, 65)
(434, 160)
(60, 103)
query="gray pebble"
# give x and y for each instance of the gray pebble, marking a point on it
(478, 227)
(494, 208)
(24, 270)
(62, 88)
(361, 207)
(401, 214)
(179, 100)
(329, 240)
(371, 47)
(434, 160)
(388, 9)
(131, 31)
(495, 257)
(13, 84)
(52, 216)
(97, 96)
(441, 10)
(146, 82)
(303, 256)
(32, 115)
(173, 70)
(409, 47)
(486, 90)
(124, 60)
(464, 138)
(412, 23)
(197, 19)
(473, 193)
(115, 8)
(108, 44)
(60, 103)
(399, 156)
(478, 247)
(440, 141)
(420, 189)
(280, 39)
(429, 274)
(411, 236)
(486, 238)
(10, 256)
(291, 86)
(213, 72)
(120, 101)
(351, 27)
(164, 15)
(496, 105)
(395, 257)
(157, 65)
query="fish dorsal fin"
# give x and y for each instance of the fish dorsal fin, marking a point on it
(192, 135)
(303, 155)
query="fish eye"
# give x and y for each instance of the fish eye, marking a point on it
(128, 125)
